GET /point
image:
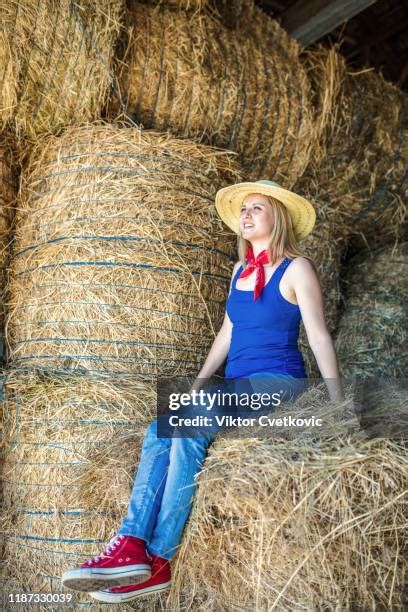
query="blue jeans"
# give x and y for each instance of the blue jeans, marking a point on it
(164, 485)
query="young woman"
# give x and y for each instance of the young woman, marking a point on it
(273, 287)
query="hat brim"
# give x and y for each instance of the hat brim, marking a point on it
(228, 202)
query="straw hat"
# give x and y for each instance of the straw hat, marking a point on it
(228, 202)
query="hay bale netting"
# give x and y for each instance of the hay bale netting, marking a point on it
(372, 334)
(8, 193)
(120, 261)
(57, 58)
(72, 445)
(360, 165)
(196, 78)
(296, 525)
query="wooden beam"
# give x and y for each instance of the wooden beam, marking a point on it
(309, 20)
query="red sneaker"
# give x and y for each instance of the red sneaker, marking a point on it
(124, 560)
(160, 580)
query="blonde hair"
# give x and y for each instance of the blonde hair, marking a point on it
(282, 241)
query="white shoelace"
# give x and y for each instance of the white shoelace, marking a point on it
(114, 542)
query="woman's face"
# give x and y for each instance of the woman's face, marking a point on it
(256, 217)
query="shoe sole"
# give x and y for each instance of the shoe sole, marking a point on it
(123, 597)
(84, 579)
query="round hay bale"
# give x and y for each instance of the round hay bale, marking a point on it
(120, 262)
(69, 429)
(57, 58)
(338, 176)
(72, 445)
(296, 525)
(194, 77)
(360, 165)
(372, 335)
(380, 134)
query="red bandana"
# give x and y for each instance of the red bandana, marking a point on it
(258, 264)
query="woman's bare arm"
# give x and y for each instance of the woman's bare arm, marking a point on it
(220, 347)
(309, 296)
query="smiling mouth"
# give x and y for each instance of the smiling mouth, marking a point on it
(248, 226)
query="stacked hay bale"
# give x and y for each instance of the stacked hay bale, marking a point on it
(378, 178)
(71, 447)
(120, 262)
(359, 140)
(372, 335)
(232, 88)
(361, 168)
(119, 272)
(56, 62)
(358, 156)
(194, 77)
(299, 522)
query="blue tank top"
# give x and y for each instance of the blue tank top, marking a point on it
(265, 333)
